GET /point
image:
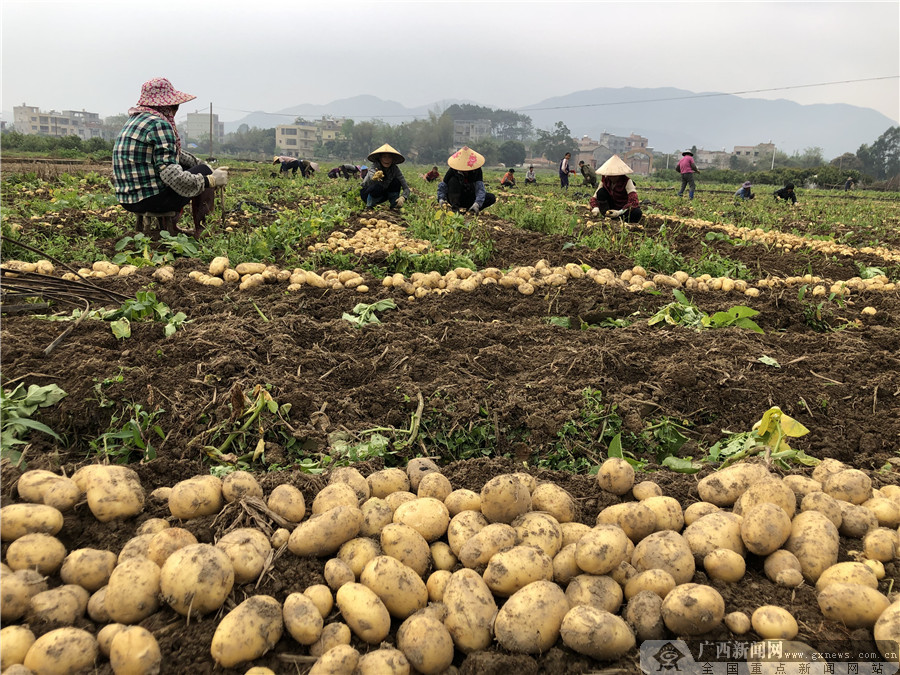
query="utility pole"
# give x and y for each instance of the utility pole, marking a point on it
(773, 158)
(211, 132)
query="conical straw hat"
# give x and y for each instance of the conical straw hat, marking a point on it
(465, 159)
(614, 167)
(388, 149)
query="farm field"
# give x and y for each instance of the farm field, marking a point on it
(531, 339)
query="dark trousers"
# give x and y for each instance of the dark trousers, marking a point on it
(168, 199)
(604, 203)
(466, 201)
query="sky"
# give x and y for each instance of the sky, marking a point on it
(270, 55)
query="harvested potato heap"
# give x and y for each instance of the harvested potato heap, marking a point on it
(375, 236)
(457, 569)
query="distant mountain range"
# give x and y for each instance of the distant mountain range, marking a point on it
(671, 119)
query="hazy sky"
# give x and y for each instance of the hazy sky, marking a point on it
(272, 54)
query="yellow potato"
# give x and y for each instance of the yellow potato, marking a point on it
(114, 492)
(667, 551)
(646, 489)
(16, 641)
(395, 499)
(153, 525)
(724, 564)
(814, 540)
(470, 610)
(530, 621)
(504, 498)
(850, 485)
(250, 268)
(406, 545)
(595, 633)
(515, 568)
(656, 581)
(572, 532)
(693, 609)
(426, 644)
(427, 516)
(165, 542)
(134, 651)
(773, 491)
(302, 618)
(63, 604)
(615, 476)
(133, 590)
(356, 553)
(602, 592)
(364, 611)
(855, 605)
(463, 526)
(136, 547)
(697, 510)
(246, 632)
(887, 631)
(96, 607)
(21, 519)
(462, 500)
(333, 634)
(63, 651)
(737, 622)
(635, 518)
(324, 533)
(337, 573)
(196, 580)
(539, 529)
(552, 499)
(434, 484)
(847, 573)
(442, 556)
(716, 530)
(480, 547)
(17, 589)
(602, 549)
(376, 515)
(334, 495)
(416, 468)
(724, 487)
(218, 265)
(765, 527)
(196, 497)
(856, 521)
(36, 551)
(248, 549)
(340, 660)
(321, 597)
(644, 615)
(401, 590)
(819, 501)
(881, 544)
(353, 478)
(239, 484)
(384, 661)
(384, 482)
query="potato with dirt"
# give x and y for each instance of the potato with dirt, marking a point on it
(89, 568)
(62, 605)
(399, 587)
(693, 609)
(36, 551)
(764, 528)
(387, 481)
(303, 618)
(643, 613)
(636, 519)
(516, 567)
(114, 493)
(133, 591)
(539, 529)
(248, 549)
(554, 500)
(196, 580)
(406, 545)
(602, 549)
(600, 591)
(471, 609)
(774, 623)
(16, 641)
(287, 501)
(135, 651)
(384, 661)
(855, 605)
(324, 533)
(814, 541)
(168, 540)
(530, 621)
(667, 551)
(887, 631)
(365, 613)
(247, 632)
(427, 516)
(504, 498)
(196, 497)
(21, 519)
(64, 651)
(465, 525)
(238, 485)
(725, 487)
(615, 476)
(595, 633)
(426, 644)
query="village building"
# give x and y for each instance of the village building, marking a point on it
(31, 120)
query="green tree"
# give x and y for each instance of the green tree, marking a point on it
(847, 162)
(554, 144)
(881, 160)
(512, 153)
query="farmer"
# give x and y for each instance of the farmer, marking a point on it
(744, 192)
(848, 184)
(509, 179)
(463, 185)
(687, 168)
(385, 182)
(335, 172)
(564, 171)
(786, 193)
(616, 197)
(151, 172)
(348, 170)
(530, 178)
(587, 173)
(432, 175)
(307, 168)
(363, 170)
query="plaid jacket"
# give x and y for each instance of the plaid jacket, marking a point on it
(146, 161)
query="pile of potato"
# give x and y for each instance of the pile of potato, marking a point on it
(459, 570)
(39, 267)
(376, 236)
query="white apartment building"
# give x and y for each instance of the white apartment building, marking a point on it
(31, 120)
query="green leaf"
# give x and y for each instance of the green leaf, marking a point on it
(121, 328)
(749, 324)
(769, 361)
(615, 446)
(26, 423)
(680, 465)
(561, 321)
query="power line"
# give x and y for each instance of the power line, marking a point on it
(612, 103)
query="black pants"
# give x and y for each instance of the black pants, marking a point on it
(168, 199)
(605, 204)
(466, 201)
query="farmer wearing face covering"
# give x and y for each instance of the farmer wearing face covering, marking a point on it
(151, 171)
(463, 184)
(616, 197)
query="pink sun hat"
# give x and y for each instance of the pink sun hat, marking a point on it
(160, 92)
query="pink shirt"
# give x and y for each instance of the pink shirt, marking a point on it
(686, 165)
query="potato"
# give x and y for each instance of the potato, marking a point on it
(395, 499)
(826, 468)
(470, 611)
(442, 556)
(287, 502)
(33, 484)
(801, 485)
(724, 487)
(136, 547)
(881, 544)
(601, 592)
(850, 485)
(417, 468)
(462, 500)
(165, 542)
(552, 499)
(356, 553)
(724, 564)
(161, 494)
(601, 549)
(21, 519)
(564, 566)
(693, 609)
(340, 660)
(667, 551)
(515, 568)
(876, 567)
(434, 484)
(765, 527)
(504, 498)
(153, 526)
(646, 489)
(887, 631)
(134, 651)
(63, 604)
(337, 573)
(636, 519)
(246, 632)
(133, 590)
(656, 581)
(218, 265)
(324, 533)
(668, 512)
(406, 545)
(353, 478)
(783, 568)
(240, 484)
(427, 516)
(384, 661)
(364, 612)
(115, 493)
(96, 607)
(384, 482)
(333, 634)
(847, 573)
(321, 597)
(196, 497)
(16, 641)
(716, 530)
(17, 589)
(772, 491)
(250, 268)
(36, 551)
(855, 605)
(334, 495)
(572, 532)
(856, 520)
(436, 584)
(63, 651)
(644, 614)
(616, 476)
(302, 618)
(248, 549)
(886, 511)
(595, 633)
(697, 510)
(530, 621)
(196, 579)
(426, 644)
(377, 514)
(539, 529)
(814, 540)
(737, 622)
(401, 590)
(819, 501)
(465, 525)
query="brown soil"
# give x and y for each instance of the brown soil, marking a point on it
(481, 360)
